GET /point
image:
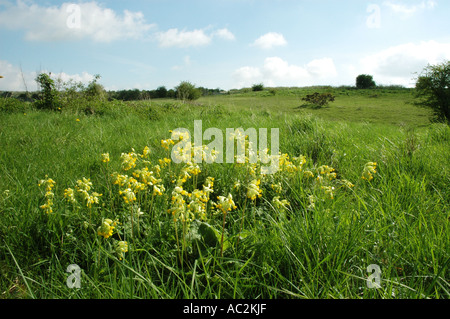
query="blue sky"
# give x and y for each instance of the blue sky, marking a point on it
(221, 43)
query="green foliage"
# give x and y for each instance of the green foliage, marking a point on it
(48, 96)
(319, 99)
(187, 91)
(258, 87)
(433, 90)
(13, 105)
(95, 91)
(365, 81)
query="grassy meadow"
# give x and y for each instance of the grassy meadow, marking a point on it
(362, 181)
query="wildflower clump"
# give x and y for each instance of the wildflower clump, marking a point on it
(106, 229)
(253, 189)
(48, 183)
(121, 248)
(83, 187)
(369, 170)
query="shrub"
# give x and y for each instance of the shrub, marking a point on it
(319, 100)
(365, 81)
(48, 97)
(187, 91)
(258, 87)
(433, 90)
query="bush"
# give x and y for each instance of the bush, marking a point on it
(48, 97)
(12, 105)
(433, 90)
(187, 91)
(365, 81)
(319, 100)
(258, 87)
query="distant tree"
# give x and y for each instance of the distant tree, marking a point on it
(187, 91)
(48, 94)
(433, 90)
(365, 81)
(161, 92)
(258, 87)
(171, 94)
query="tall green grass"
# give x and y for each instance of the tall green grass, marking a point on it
(399, 220)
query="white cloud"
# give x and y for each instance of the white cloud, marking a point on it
(16, 79)
(225, 34)
(278, 72)
(409, 10)
(247, 75)
(73, 21)
(182, 39)
(398, 64)
(270, 40)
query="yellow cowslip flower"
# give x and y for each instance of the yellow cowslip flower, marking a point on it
(347, 183)
(329, 191)
(128, 160)
(253, 189)
(193, 169)
(326, 171)
(166, 143)
(158, 189)
(128, 195)
(84, 184)
(69, 194)
(105, 157)
(225, 204)
(180, 190)
(49, 195)
(164, 162)
(369, 169)
(280, 204)
(145, 152)
(121, 249)
(48, 182)
(47, 207)
(107, 228)
(276, 187)
(301, 161)
(308, 174)
(92, 199)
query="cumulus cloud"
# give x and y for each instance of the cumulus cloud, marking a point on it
(278, 72)
(398, 64)
(270, 40)
(182, 39)
(407, 10)
(224, 34)
(16, 79)
(73, 21)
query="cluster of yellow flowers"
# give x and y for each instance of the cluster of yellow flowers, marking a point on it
(369, 169)
(83, 187)
(49, 195)
(106, 229)
(186, 202)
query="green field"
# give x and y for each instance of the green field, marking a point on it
(318, 246)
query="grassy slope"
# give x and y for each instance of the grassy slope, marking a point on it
(399, 221)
